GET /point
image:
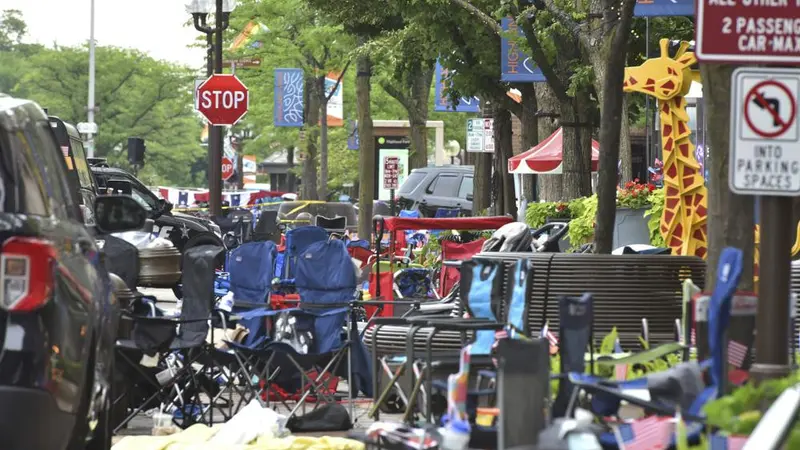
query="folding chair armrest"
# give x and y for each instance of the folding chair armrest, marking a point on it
(632, 399)
(320, 312)
(387, 321)
(249, 305)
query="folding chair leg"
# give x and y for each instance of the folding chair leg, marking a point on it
(373, 412)
(412, 398)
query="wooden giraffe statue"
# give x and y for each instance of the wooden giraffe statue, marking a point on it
(683, 223)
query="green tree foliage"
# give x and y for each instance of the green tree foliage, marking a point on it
(136, 96)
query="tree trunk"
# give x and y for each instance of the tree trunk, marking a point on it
(366, 158)
(312, 134)
(575, 173)
(503, 138)
(730, 216)
(290, 178)
(482, 183)
(550, 186)
(418, 114)
(322, 189)
(529, 135)
(610, 129)
(625, 142)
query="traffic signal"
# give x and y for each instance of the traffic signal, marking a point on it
(136, 149)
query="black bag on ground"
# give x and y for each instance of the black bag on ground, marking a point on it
(330, 417)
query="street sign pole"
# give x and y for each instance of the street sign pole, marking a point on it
(765, 161)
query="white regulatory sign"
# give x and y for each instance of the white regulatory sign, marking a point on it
(765, 136)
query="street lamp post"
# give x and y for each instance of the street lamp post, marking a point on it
(222, 11)
(90, 108)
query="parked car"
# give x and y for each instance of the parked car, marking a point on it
(431, 188)
(58, 315)
(183, 230)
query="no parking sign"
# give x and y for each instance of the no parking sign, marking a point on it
(765, 135)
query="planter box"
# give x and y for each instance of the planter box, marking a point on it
(630, 227)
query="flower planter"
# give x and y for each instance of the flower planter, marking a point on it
(630, 227)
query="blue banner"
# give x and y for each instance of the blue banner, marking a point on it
(288, 109)
(516, 66)
(352, 137)
(442, 103)
(662, 8)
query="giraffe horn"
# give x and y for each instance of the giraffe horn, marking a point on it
(682, 49)
(664, 43)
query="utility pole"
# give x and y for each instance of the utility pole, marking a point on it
(90, 104)
(216, 134)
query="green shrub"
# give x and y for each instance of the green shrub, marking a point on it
(537, 213)
(654, 217)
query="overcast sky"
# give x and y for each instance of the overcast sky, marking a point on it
(155, 27)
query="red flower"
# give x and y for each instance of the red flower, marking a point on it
(560, 207)
(636, 180)
(629, 185)
(650, 187)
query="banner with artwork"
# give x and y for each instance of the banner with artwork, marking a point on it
(441, 101)
(662, 8)
(288, 108)
(515, 65)
(352, 135)
(336, 102)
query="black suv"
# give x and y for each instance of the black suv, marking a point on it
(183, 230)
(58, 315)
(431, 188)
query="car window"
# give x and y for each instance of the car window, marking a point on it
(146, 199)
(52, 165)
(79, 158)
(466, 187)
(446, 185)
(30, 184)
(413, 180)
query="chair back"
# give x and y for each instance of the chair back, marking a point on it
(332, 224)
(297, 240)
(251, 267)
(199, 271)
(576, 316)
(455, 251)
(325, 279)
(266, 228)
(519, 290)
(481, 294)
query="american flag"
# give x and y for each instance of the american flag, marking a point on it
(651, 433)
(736, 354)
(721, 442)
(547, 334)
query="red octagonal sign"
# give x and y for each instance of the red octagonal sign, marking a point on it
(227, 168)
(223, 99)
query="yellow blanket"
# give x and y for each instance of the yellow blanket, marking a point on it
(196, 438)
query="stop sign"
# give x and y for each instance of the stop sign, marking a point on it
(227, 168)
(222, 99)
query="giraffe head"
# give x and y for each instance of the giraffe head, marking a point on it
(662, 77)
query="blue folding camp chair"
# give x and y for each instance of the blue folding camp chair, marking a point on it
(444, 213)
(670, 395)
(251, 267)
(297, 240)
(316, 336)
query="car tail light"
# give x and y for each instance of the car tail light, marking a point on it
(26, 273)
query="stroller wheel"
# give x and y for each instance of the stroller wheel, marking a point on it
(393, 405)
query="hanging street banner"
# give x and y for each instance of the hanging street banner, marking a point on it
(442, 102)
(288, 108)
(516, 66)
(352, 136)
(336, 103)
(663, 8)
(748, 32)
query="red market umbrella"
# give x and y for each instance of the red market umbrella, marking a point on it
(546, 157)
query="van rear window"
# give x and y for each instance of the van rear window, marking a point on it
(413, 180)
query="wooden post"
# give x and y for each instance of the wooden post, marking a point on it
(523, 385)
